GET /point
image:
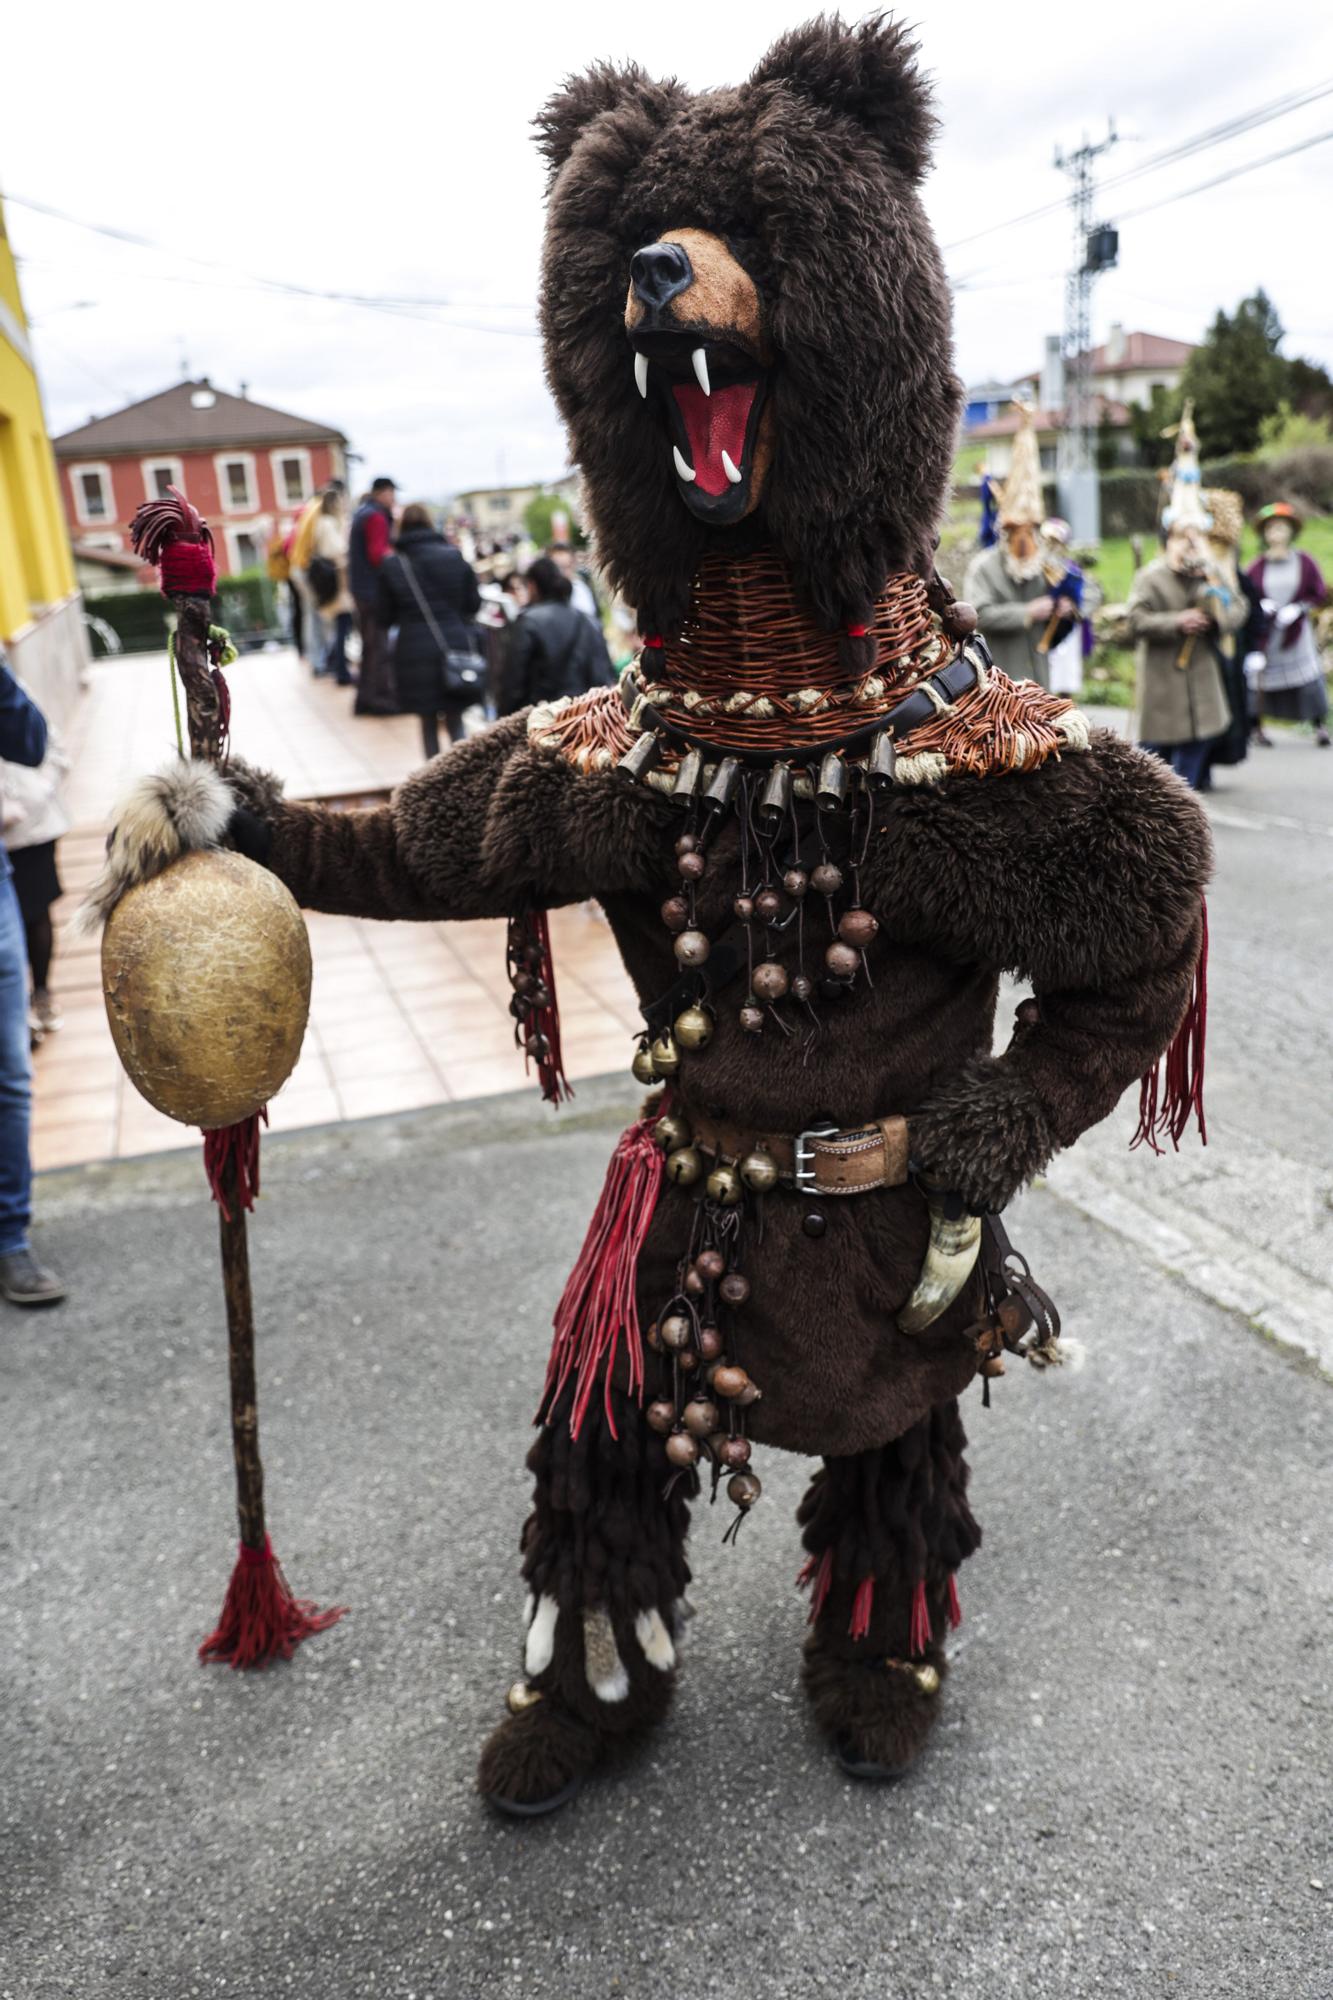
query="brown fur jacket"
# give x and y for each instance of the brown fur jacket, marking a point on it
(1082, 877)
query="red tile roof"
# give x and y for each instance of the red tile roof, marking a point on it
(172, 421)
(1049, 422)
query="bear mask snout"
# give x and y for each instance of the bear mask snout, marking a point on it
(658, 272)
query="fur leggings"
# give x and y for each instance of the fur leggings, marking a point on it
(604, 1556)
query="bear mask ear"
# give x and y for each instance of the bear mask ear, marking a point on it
(869, 73)
(560, 122)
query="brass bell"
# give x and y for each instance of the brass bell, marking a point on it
(685, 1166)
(521, 1696)
(693, 1028)
(665, 1055)
(759, 1172)
(674, 1331)
(743, 1489)
(643, 1066)
(724, 1185)
(927, 1678)
(671, 1133)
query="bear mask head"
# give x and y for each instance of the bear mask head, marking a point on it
(747, 323)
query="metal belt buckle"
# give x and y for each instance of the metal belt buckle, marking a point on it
(807, 1173)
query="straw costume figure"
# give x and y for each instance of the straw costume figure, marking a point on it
(821, 822)
(1025, 592)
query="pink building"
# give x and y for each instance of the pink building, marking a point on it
(248, 468)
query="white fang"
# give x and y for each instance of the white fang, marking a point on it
(700, 360)
(730, 469)
(641, 373)
(654, 1639)
(684, 469)
(540, 1649)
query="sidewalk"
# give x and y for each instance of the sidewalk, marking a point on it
(402, 1015)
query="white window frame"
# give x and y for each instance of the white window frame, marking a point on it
(77, 474)
(221, 461)
(100, 539)
(174, 466)
(284, 499)
(255, 530)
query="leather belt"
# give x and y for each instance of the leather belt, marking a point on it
(820, 1160)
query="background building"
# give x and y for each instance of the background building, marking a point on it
(41, 620)
(246, 467)
(1126, 370)
(495, 513)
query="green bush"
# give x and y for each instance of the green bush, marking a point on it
(139, 618)
(1130, 500)
(246, 604)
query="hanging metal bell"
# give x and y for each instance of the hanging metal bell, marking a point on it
(671, 1133)
(775, 799)
(685, 1166)
(693, 1028)
(881, 763)
(521, 1696)
(743, 1489)
(638, 761)
(722, 790)
(725, 1186)
(831, 790)
(665, 1055)
(759, 1171)
(688, 778)
(642, 1066)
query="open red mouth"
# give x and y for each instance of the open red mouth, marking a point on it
(716, 429)
(711, 394)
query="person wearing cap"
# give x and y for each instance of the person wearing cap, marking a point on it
(368, 544)
(1288, 674)
(1008, 584)
(1177, 609)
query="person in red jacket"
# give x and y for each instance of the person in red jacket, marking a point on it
(371, 536)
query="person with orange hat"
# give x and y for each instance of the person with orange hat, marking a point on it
(1289, 681)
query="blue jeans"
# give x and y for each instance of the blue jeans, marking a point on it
(15, 1078)
(1188, 760)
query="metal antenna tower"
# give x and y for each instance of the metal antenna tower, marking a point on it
(1096, 248)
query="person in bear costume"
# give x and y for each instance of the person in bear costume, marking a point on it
(821, 825)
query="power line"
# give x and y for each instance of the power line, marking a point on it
(1232, 173)
(1214, 135)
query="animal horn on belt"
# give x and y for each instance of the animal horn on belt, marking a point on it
(950, 1258)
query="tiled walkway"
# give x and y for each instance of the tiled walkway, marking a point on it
(402, 1015)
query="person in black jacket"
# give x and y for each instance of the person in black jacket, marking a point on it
(430, 593)
(551, 649)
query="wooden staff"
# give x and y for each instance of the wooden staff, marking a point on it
(261, 1620)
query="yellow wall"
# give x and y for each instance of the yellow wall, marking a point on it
(36, 568)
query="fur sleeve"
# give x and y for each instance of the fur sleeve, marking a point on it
(491, 827)
(1089, 885)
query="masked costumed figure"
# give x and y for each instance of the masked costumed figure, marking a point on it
(821, 822)
(1178, 608)
(1011, 585)
(1226, 513)
(1290, 684)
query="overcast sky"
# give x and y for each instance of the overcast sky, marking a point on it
(300, 143)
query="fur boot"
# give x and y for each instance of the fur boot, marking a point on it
(886, 1531)
(604, 1560)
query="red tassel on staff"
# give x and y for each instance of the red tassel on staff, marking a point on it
(862, 1605)
(955, 1608)
(599, 1301)
(261, 1620)
(238, 1144)
(1172, 1090)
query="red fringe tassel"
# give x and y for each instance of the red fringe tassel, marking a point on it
(862, 1605)
(919, 1635)
(238, 1145)
(821, 1573)
(599, 1303)
(955, 1608)
(1172, 1090)
(261, 1620)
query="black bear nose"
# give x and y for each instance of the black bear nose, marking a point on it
(659, 271)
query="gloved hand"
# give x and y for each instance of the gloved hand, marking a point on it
(1254, 664)
(1289, 614)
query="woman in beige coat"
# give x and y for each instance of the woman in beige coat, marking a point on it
(1176, 611)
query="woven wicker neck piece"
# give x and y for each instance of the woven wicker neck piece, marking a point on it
(749, 652)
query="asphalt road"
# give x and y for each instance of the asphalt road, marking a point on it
(1128, 1793)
